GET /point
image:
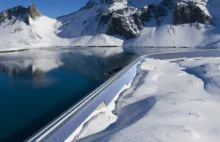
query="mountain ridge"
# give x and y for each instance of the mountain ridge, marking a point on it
(22, 12)
(121, 23)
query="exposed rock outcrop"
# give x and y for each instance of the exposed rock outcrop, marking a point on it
(13, 14)
(124, 22)
(20, 13)
(189, 13)
(33, 12)
(143, 13)
(156, 12)
(128, 22)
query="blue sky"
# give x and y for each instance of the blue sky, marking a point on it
(51, 8)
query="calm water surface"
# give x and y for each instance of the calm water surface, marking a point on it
(38, 85)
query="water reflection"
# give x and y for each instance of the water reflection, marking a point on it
(37, 85)
(139, 51)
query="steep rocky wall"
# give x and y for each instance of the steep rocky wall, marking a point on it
(33, 12)
(13, 14)
(127, 26)
(189, 13)
(20, 13)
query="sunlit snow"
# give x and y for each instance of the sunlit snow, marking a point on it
(170, 100)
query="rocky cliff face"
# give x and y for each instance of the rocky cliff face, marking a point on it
(129, 21)
(124, 22)
(13, 14)
(156, 11)
(190, 12)
(20, 13)
(33, 12)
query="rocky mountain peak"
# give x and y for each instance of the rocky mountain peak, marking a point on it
(13, 13)
(33, 12)
(21, 13)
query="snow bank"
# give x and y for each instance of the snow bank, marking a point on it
(187, 35)
(170, 100)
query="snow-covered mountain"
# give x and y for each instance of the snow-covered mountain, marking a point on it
(116, 23)
(26, 27)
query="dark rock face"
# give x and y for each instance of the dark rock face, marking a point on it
(129, 21)
(156, 12)
(13, 14)
(124, 22)
(33, 12)
(113, 1)
(20, 13)
(143, 13)
(190, 13)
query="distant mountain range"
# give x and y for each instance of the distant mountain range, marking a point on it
(178, 23)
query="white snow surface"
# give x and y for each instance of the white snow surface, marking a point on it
(186, 35)
(169, 101)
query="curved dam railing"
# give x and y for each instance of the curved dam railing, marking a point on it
(70, 123)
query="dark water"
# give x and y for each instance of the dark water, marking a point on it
(38, 85)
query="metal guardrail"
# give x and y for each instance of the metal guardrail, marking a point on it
(62, 127)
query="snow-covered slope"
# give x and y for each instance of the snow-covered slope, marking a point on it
(116, 23)
(86, 20)
(147, 22)
(169, 101)
(189, 23)
(24, 27)
(185, 35)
